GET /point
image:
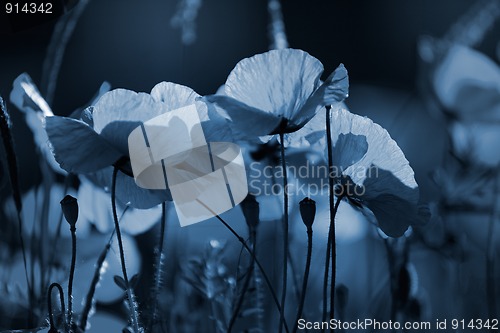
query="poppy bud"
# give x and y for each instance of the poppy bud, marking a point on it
(250, 209)
(69, 206)
(308, 211)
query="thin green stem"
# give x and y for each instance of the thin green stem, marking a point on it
(71, 277)
(331, 196)
(490, 255)
(134, 319)
(285, 232)
(8, 142)
(93, 285)
(49, 303)
(246, 283)
(325, 281)
(158, 270)
(257, 262)
(306, 278)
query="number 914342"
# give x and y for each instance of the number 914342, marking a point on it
(28, 8)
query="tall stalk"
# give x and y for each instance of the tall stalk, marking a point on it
(285, 232)
(8, 142)
(133, 311)
(89, 299)
(305, 279)
(158, 268)
(246, 283)
(490, 254)
(257, 262)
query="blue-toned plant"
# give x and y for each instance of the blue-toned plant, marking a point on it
(277, 93)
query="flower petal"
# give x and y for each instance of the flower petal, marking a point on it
(127, 192)
(246, 122)
(278, 81)
(125, 105)
(383, 152)
(173, 96)
(468, 82)
(95, 208)
(382, 171)
(77, 147)
(393, 203)
(334, 90)
(26, 97)
(477, 142)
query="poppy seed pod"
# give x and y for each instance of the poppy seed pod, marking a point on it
(69, 206)
(308, 211)
(250, 209)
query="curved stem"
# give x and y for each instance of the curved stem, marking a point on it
(306, 278)
(71, 277)
(246, 283)
(135, 321)
(285, 233)
(259, 265)
(49, 302)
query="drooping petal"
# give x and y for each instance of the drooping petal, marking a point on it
(127, 191)
(467, 82)
(27, 98)
(278, 82)
(245, 122)
(382, 173)
(393, 203)
(96, 209)
(77, 147)
(383, 152)
(334, 90)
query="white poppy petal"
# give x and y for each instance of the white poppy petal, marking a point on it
(278, 81)
(246, 122)
(77, 147)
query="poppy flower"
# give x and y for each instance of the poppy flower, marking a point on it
(372, 172)
(99, 140)
(278, 91)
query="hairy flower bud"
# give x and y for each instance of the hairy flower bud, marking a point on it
(69, 206)
(308, 211)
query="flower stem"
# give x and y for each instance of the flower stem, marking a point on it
(490, 255)
(331, 250)
(134, 319)
(259, 265)
(89, 300)
(158, 270)
(8, 142)
(306, 278)
(246, 283)
(49, 303)
(71, 277)
(285, 232)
